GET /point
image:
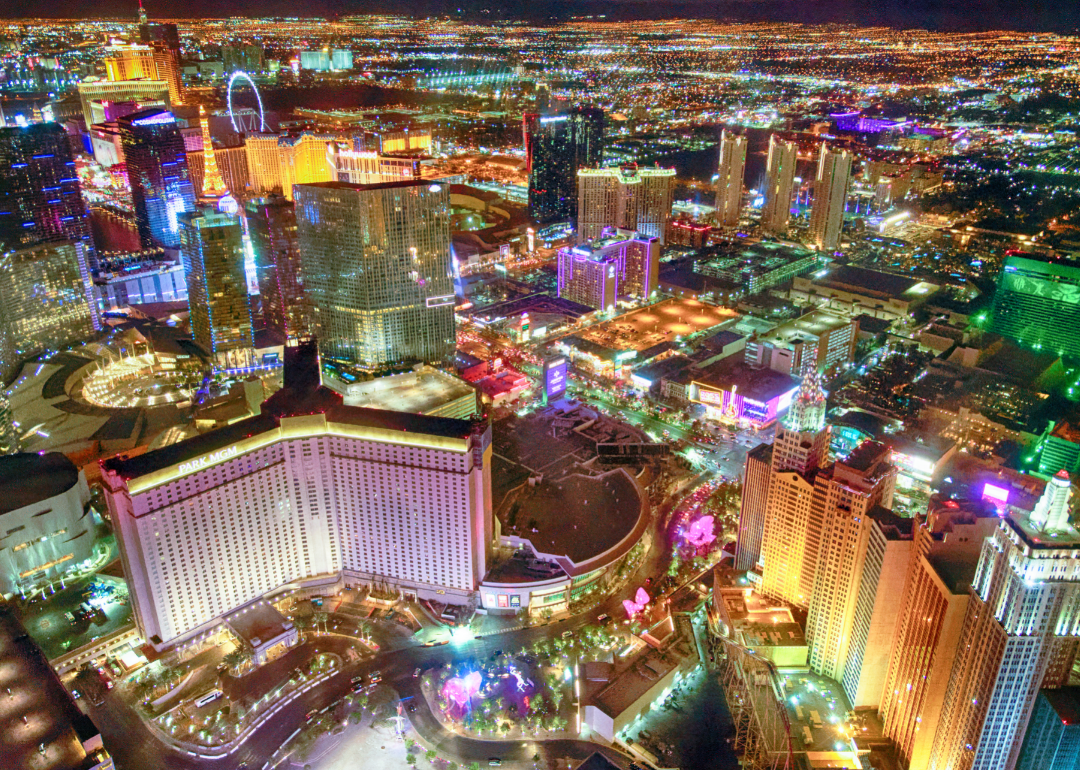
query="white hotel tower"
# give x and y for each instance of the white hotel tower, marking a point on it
(310, 492)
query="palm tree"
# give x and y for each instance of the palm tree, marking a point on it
(321, 618)
(302, 623)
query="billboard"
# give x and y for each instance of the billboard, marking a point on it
(554, 378)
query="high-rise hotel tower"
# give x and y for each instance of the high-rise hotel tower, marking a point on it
(377, 270)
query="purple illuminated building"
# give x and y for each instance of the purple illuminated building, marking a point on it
(856, 121)
(621, 263)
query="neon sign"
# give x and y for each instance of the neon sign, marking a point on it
(210, 459)
(160, 119)
(554, 378)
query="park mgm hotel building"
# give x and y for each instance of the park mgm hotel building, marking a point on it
(318, 495)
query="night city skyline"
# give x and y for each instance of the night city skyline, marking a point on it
(546, 386)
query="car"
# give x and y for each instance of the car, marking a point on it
(567, 634)
(494, 762)
(416, 673)
(376, 677)
(603, 618)
(357, 679)
(311, 714)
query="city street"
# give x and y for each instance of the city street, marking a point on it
(725, 457)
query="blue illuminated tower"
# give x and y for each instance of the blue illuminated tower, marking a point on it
(40, 200)
(157, 167)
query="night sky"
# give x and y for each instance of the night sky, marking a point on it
(1055, 15)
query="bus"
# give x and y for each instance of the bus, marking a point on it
(210, 697)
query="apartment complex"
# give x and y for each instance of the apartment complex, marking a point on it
(830, 198)
(780, 184)
(729, 184)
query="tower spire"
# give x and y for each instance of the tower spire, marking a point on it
(142, 13)
(213, 186)
(1051, 512)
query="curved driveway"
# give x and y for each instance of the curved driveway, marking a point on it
(134, 747)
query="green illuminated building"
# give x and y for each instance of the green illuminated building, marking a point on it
(1038, 304)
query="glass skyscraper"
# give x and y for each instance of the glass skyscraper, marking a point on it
(556, 146)
(40, 199)
(1037, 303)
(377, 271)
(212, 248)
(272, 228)
(46, 296)
(157, 168)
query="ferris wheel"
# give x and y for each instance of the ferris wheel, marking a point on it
(229, 98)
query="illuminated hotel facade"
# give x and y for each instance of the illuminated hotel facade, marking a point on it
(627, 197)
(619, 263)
(345, 496)
(1037, 303)
(213, 255)
(1020, 634)
(157, 168)
(830, 198)
(729, 184)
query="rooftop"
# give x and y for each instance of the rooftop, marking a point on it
(664, 321)
(373, 186)
(534, 304)
(577, 517)
(1038, 539)
(870, 325)
(756, 384)
(873, 282)
(36, 696)
(258, 623)
(301, 394)
(895, 527)
(810, 326)
(1021, 365)
(866, 455)
(630, 685)
(189, 449)
(597, 761)
(956, 569)
(29, 478)
(1066, 431)
(743, 261)
(419, 392)
(721, 339)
